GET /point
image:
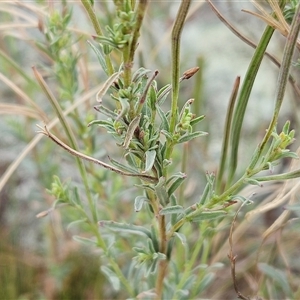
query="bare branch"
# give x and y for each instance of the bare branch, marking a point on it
(44, 130)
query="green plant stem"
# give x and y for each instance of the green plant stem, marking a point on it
(283, 176)
(70, 136)
(223, 197)
(190, 263)
(127, 67)
(226, 135)
(176, 35)
(83, 174)
(281, 85)
(11, 62)
(89, 9)
(111, 260)
(205, 254)
(253, 45)
(140, 13)
(92, 15)
(244, 97)
(175, 227)
(129, 50)
(184, 164)
(162, 264)
(198, 87)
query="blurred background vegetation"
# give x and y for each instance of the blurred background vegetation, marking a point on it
(39, 258)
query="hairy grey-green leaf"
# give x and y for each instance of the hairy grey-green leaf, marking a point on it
(112, 277)
(138, 202)
(161, 192)
(100, 57)
(190, 136)
(84, 240)
(176, 183)
(123, 167)
(126, 228)
(205, 215)
(150, 159)
(181, 237)
(106, 86)
(176, 209)
(130, 131)
(278, 276)
(164, 121)
(196, 120)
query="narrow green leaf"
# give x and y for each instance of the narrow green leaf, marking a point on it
(150, 246)
(161, 192)
(76, 198)
(283, 176)
(182, 294)
(176, 183)
(154, 239)
(152, 97)
(175, 176)
(112, 277)
(226, 134)
(150, 159)
(130, 131)
(241, 198)
(145, 187)
(84, 240)
(20, 70)
(174, 217)
(196, 120)
(75, 223)
(181, 237)
(205, 282)
(140, 250)
(126, 228)
(243, 98)
(164, 121)
(189, 136)
(107, 84)
(205, 215)
(252, 181)
(153, 268)
(189, 282)
(167, 134)
(140, 73)
(205, 193)
(159, 255)
(138, 202)
(105, 41)
(163, 93)
(278, 276)
(123, 167)
(100, 57)
(105, 111)
(125, 106)
(103, 123)
(177, 209)
(288, 154)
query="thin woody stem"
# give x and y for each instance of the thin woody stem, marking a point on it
(163, 264)
(176, 37)
(55, 139)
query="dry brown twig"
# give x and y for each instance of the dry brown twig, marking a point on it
(44, 130)
(233, 257)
